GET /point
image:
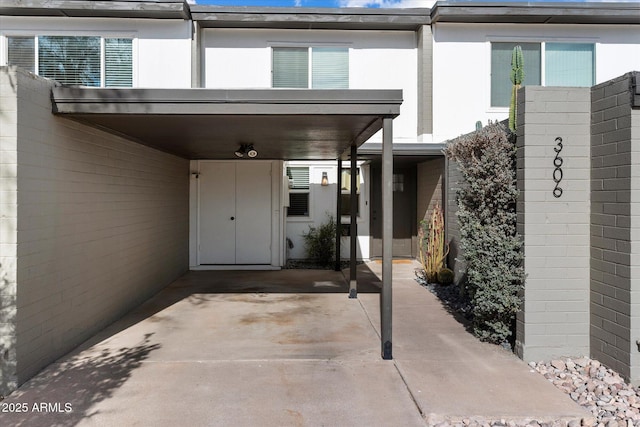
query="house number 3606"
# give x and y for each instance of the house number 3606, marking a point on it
(557, 172)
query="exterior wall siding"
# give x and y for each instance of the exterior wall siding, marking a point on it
(615, 218)
(555, 316)
(463, 47)
(161, 48)
(8, 231)
(102, 225)
(430, 185)
(241, 58)
(455, 258)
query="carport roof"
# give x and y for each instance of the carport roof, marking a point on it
(212, 124)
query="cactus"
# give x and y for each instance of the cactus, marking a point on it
(433, 249)
(517, 77)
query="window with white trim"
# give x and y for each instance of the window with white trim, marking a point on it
(345, 192)
(310, 67)
(298, 191)
(75, 60)
(546, 64)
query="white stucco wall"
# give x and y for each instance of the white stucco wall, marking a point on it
(462, 65)
(241, 58)
(161, 48)
(322, 202)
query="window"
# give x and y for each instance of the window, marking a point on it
(565, 64)
(298, 191)
(345, 207)
(569, 64)
(316, 67)
(501, 69)
(75, 60)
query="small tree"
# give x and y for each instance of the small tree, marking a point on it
(488, 238)
(320, 241)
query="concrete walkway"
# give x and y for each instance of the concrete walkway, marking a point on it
(283, 348)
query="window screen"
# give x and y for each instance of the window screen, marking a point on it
(330, 68)
(118, 63)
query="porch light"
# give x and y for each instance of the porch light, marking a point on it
(246, 149)
(325, 179)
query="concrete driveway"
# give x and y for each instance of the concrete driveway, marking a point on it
(283, 348)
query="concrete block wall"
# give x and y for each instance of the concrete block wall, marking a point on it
(430, 176)
(555, 316)
(8, 234)
(455, 258)
(615, 221)
(102, 224)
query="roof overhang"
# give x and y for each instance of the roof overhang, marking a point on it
(537, 12)
(154, 9)
(212, 124)
(310, 18)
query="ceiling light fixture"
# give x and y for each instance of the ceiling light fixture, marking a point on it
(246, 149)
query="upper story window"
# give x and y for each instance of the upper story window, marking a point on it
(75, 60)
(315, 67)
(565, 64)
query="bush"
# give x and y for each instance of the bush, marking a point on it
(320, 242)
(445, 276)
(486, 213)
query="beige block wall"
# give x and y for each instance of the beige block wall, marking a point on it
(8, 234)
(555, 318)
(429, 188)
(102, 224)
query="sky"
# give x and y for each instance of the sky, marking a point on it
(353, 3)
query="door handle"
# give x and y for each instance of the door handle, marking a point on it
(233, 218)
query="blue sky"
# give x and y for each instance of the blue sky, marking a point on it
(348, 3)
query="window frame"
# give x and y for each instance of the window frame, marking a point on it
(4, 49)
(542, 43)
(310, 47)
(306, 191)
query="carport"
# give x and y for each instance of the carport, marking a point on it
(298, 124)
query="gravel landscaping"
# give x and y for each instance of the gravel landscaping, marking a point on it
(600, 390)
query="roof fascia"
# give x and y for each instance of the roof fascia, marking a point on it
(537, 13)
(311, 18)
(72, 100)
(153, 9)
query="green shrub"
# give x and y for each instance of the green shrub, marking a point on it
(486, 213)
(320, 242)
(445, 276)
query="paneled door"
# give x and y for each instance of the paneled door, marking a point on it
(234, 212)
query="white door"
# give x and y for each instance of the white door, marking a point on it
(235, 212)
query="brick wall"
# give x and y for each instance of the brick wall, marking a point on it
(102, 224)
(554, 321)
(615, 217)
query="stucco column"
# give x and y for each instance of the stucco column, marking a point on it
(387, 237)
(353, 282)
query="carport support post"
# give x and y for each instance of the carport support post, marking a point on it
(387, 237)
(353, 224)
(338, 214)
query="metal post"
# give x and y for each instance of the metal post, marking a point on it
(387, 238)
(338, 214)
(353, 224)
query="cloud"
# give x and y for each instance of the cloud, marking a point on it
(297, 3)
(386, 3)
